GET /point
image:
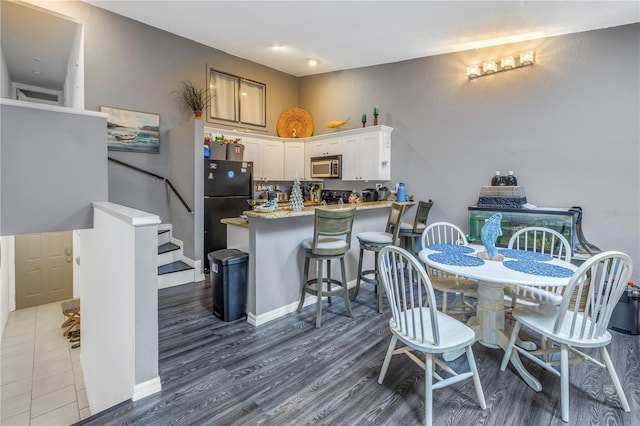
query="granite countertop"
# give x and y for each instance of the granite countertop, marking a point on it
(282, 213)
(236, 221)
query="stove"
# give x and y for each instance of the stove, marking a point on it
(332, 196)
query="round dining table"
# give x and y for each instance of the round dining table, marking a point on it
(519, 267)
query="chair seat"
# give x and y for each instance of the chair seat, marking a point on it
(375, 237)
(327, 243)
(542, 319)
(536, 295)
(453, 334)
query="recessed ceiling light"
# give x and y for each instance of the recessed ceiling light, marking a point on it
(275, 46)
(313, 61)
(36, 72)
(36, 59)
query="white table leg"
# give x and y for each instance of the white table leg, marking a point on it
(489, 321)
(517, 364)
(489, 324)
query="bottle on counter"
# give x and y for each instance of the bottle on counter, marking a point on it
(402, 193)
(497, 179)
(511, 180)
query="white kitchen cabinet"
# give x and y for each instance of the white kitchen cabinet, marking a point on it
(325, 146)
(366, 155)
(267, 157)
(320, 146)
(293, 159)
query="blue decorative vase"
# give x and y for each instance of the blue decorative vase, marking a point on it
(489, 234)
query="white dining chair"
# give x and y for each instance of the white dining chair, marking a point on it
(448, 233)
(418, 324)
(544, 241)
(573, 325)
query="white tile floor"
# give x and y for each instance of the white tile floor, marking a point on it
(40, 374)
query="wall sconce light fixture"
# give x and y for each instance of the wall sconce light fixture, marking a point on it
(506, 63)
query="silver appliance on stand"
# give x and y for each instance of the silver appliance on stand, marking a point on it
(227, 187)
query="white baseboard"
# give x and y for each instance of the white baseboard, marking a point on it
(147, 388)
(257, 320)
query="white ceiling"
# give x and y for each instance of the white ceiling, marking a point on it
(341, 34)
(35, 44)
(351, 34)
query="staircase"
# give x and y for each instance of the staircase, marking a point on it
(173, 268)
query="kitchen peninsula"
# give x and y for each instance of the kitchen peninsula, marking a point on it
(276, 258)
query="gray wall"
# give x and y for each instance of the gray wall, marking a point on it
(134, 66)
(53, 167)
(568, 127)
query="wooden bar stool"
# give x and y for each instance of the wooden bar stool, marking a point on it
(412, 231)
(374, 241)
(331, 241)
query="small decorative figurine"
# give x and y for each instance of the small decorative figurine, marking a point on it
(267, 207)
(295, 200)
(489, 234)
(375, 115)
(364, 120)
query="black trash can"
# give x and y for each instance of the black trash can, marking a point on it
(626, 315)
(228, 272)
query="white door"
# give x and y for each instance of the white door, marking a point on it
(44, 268)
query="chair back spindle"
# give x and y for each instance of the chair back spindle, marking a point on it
(541, 240)
(443, 233)
(411, 296)
(601, 280)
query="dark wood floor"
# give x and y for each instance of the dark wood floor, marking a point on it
(286, 372)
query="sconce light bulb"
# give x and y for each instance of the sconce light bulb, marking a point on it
(507, 62)
(489, 66)
(473, 71)
(526, 57)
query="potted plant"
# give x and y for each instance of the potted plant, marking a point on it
(195, 97)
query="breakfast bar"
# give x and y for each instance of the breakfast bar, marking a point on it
(276, 258)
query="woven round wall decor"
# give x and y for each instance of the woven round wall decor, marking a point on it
(295, 123)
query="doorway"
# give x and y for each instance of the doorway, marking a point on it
(43, 268)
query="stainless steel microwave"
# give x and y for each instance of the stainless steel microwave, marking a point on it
(326, 167)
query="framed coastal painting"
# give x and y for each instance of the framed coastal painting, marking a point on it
(132, 131)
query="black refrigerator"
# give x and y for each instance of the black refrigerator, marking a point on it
(227, 187)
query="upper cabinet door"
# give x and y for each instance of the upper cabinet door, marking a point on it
(365, 156)
(267, 157)
(294, 160)
(253, 152)
(273, 160)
